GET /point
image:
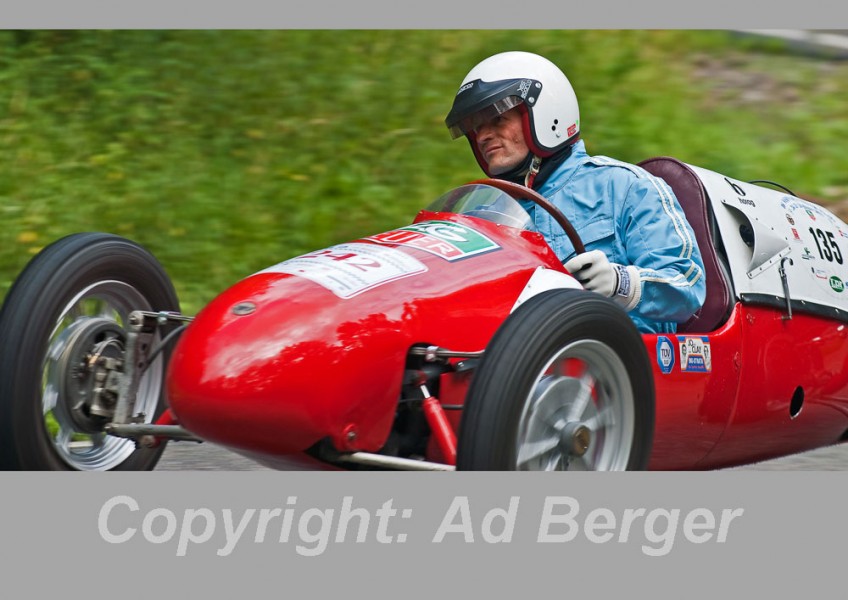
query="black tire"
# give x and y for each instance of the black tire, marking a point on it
(79, 280)
(516, 414)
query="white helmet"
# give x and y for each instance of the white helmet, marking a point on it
(548, 103)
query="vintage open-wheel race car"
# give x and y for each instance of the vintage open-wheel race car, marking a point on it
(457, 342)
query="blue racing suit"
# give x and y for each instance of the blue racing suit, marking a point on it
(635, 219)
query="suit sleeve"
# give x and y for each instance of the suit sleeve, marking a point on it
(660, 245)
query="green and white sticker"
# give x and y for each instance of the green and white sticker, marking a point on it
(447, 240)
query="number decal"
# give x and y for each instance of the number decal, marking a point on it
(836, 253)
(826, 245)
(347, 270)
(354, 260)
(824, 250)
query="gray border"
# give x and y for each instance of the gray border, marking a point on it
(787, 541)
(439, 14)
(791, 536)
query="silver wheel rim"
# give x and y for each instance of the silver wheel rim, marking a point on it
(113, 300)
(579, 414)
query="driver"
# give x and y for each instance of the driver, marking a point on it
(520, 115)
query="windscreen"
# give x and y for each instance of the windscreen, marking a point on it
(484, 202)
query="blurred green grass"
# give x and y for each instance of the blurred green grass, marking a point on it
(226, 151)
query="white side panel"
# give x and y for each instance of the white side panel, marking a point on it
(543, 280)
(763, 229)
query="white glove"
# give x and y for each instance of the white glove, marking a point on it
(594, 270)
(596, 273)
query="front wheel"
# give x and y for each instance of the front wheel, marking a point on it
(565, 384)
(62, 342)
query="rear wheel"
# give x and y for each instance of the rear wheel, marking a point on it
(62, 342)
(565, 384)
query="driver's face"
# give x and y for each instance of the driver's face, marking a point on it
(501, 142)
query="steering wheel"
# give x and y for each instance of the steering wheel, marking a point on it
(519, 191)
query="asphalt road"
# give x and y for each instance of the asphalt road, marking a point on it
(187, 456)
(190, 456)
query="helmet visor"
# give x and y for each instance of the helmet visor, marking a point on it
(480, 101)
(482, 116)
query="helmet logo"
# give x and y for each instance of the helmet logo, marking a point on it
(465, 87)
(524, 88)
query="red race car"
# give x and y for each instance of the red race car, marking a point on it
(457, 342)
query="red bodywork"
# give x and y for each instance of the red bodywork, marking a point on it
(306, 365)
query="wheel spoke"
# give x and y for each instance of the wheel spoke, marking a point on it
(63, 438)
(108, 311)
(74, 313)
(547, 407)
(556, 462)
(49, 399)
(582, 463)
(600, 421)
(530, 451)
(581, 400)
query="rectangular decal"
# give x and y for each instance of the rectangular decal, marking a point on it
(350, 269)
(447, 240)
(695, 354)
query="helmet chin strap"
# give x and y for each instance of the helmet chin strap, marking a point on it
(530, 176)
(519, 173)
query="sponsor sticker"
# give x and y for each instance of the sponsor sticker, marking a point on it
(665, 354)
(836, 284)
(447, 240)
(695, 354)
(790, 219)
(350, 269)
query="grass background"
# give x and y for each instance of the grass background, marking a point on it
(226, 151)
